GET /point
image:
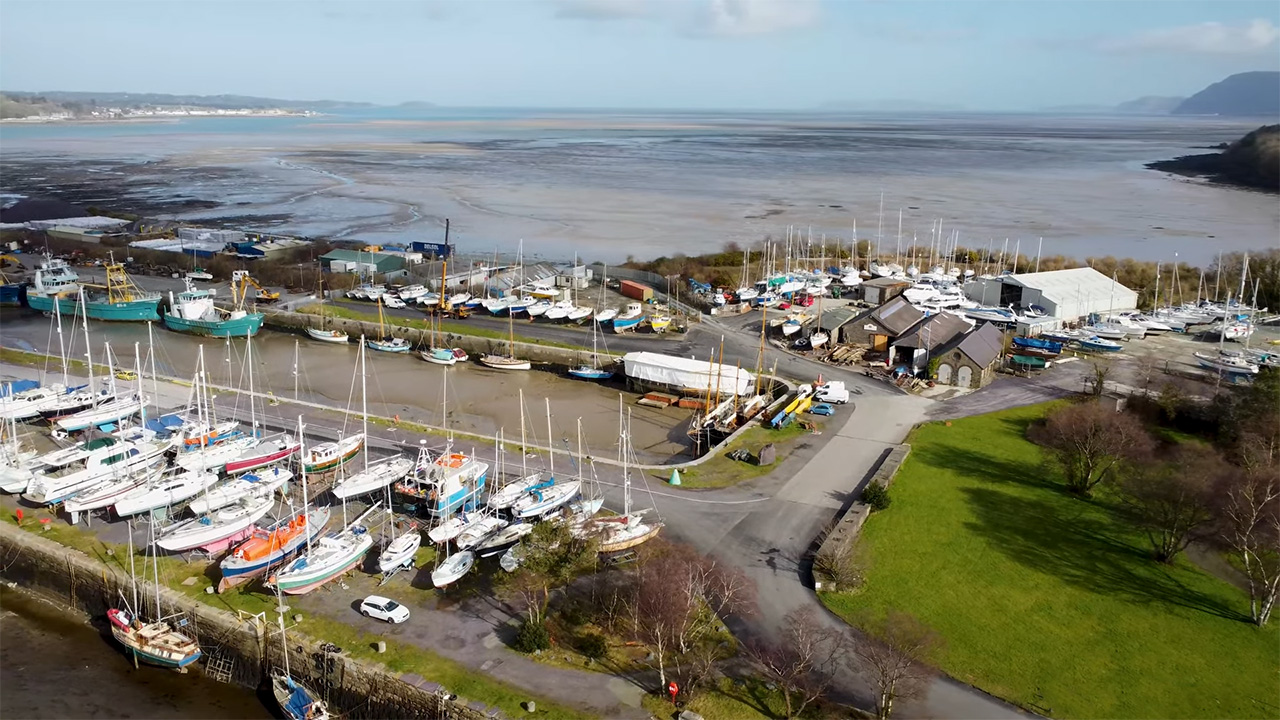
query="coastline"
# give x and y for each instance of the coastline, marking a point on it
(167, 118)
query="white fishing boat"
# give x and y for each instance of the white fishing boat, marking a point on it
(229, 491)
(538, 308)
(560, 310)
(452, 569)
(400, 550)
(1107, 331)
(171, 488)
(219, 525)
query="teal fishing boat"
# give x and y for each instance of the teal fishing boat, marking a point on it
(194, 312)
(117, 301)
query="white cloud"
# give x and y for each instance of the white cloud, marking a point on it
(1211, 38)
(759, 17)
(699, 17)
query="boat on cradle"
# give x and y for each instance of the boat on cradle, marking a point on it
(1110, 331)
(75, 400)
(1098, 344)
(629, 318)
(453, 568)
(1227, 363)
(606, 315)
(118, 301)
(28, 403)
(448, 482)
(1038, 343)
(559, 311)
(272, 545)
(537, 309)
(991, 314)
(296, 701)
(326, 559)
(818, 339)
(499, 305)
(154, 643)
(276, 449)
(373, 478)
(578, 314)
(241, 486)
(108, 492)
(195, 313)
(215, 457)
(791, 326)
(332, 455)
(1149, 325)
(171, 488)
(213, 527)
(105, 463)
(593, 370)
(400, 551)
(1064, 336)
(545, 497)
(501, 540)
(110, 412)
(659, 323)
(480, 527)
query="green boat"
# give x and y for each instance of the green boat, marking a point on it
(118, 301)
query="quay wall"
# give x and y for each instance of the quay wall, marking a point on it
(473, 344)
(355, 688)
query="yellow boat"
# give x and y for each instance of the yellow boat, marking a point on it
(659, 322)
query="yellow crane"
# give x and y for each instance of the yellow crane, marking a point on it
(240, 283)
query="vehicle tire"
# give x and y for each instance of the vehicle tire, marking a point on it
(366, 613)
(390, 621)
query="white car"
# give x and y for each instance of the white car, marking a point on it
(385, 609)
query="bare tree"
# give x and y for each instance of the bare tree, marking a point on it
(1172, 500)
(897, 652)
(1250, 517)
(552, 557)
(1092, 443)
(1097, 378)
(804, 660)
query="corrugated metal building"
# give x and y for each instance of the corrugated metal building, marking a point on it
(1067, 294)
(354, 261)
(198, 234)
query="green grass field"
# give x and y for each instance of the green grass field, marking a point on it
(1049, 601)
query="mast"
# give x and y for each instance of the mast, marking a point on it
(622, 451)
(88, 352)
(133, 573)
(302, 455)
(897, 254)
(248, 358)
(551, 451)
(364, 409)
(151, 350)
(1217, 278)
(524, 446)
(137, 364)
(62, 349)
(295, 365)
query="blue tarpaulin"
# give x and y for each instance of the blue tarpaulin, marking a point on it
(164, 424)
(16, 386)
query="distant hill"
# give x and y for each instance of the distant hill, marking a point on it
(126, 99)
(1250, 94)
(1150, 105)
(1253, 161)
(416, 105)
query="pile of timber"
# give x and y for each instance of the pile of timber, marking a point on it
(844, 355)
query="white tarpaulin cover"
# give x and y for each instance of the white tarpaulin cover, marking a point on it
(687, 373)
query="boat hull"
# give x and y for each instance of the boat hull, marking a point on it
(235, 570)
(505, 363)
(334, 462)
(131, 311)
(11, 294)
(249, 324)
(329, 336)
(303, 583)
(591, 374)
(253, 462)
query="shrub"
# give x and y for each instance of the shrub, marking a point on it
(835, 563)
(532, 636)
(593, 645)
(876, 495)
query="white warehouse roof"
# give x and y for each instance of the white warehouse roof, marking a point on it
(1061, 285)
(687, 373)
(1068, 294)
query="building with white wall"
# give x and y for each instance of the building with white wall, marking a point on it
(1066, 294)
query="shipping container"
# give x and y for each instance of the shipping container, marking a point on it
(636, 291)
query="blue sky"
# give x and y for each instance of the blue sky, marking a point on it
(792, 54)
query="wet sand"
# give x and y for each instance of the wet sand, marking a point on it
(57, 665)
(480, 400)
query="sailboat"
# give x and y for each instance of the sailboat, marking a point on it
(625, 531)
(400, 550)
(592, 370)
(548, 495)
(296, 700)
(508, 361)
(268, 547)
(262, 452)
(208, 444)
(434, 353)
(387, 343)
(379, 475)
(173, 487)
(321, 333)
(479, 527)
(453, 568)
(157, 642)
(210, 528)
(79, 399)
(236, 488)
(325, 559)
(506, 496)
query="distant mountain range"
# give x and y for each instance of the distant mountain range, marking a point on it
(1250, 94)
(66, 103)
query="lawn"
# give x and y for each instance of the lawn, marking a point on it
(722, 471)
(1049, 601)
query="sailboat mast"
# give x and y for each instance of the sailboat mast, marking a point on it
(62, 349)
(137, 364)
(524, 446)
(296, 344)
(364, 408)
(551, 450)
(88, 351)
(302, 455)
(151, 350)
(248, 358)
(133, 573)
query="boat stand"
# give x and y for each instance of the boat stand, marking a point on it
(405, 566)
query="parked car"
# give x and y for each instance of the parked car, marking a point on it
(822, 409)
(385, 609)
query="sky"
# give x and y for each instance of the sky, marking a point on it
(733, 54)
